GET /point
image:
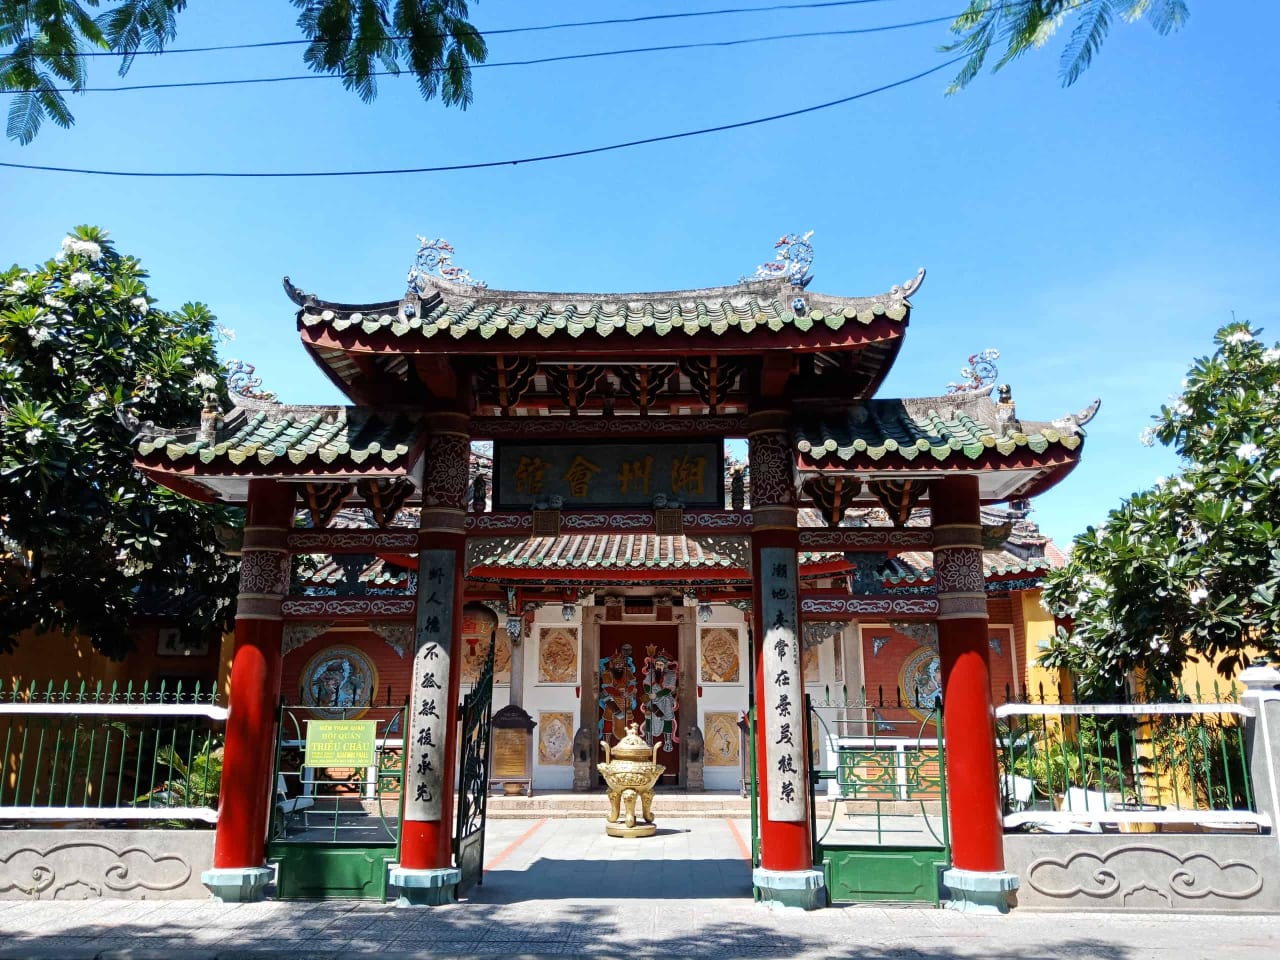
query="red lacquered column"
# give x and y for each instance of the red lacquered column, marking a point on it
(977, 880)
(425, 874)
(238, 870)
(786, 875)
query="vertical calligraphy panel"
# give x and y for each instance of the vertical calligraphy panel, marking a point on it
(782, 696)
(429, 708)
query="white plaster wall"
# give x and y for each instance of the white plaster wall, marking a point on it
(722, 697)
(540, 697)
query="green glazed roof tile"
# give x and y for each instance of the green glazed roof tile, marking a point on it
(292, 435)
(953, 428)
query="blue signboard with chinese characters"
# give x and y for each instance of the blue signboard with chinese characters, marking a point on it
(615, 474)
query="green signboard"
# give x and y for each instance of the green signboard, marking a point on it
(609, 474)
(341, 743)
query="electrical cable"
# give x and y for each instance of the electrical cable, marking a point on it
(502, 31)
(482, 165)
(535, 61)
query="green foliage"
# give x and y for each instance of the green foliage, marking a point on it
(1022, 25)
(1191, 566)
(84, 538)
(188, 782)
(47, 40)
(1055, 756)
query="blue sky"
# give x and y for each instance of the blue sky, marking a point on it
(1096, 236)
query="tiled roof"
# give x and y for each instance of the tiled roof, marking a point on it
(456, 311)
(324, 439)
(916, 568)
(964, 425)
(641, 551)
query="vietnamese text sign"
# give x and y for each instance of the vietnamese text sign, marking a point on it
(341, 743)
(619, 474)
(782, 693)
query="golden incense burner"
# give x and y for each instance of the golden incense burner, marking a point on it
(630, 770)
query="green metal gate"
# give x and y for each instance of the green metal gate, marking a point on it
(335, 829)
(473, 778)
(878, 799)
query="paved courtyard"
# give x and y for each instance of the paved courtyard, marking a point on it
(562, 888)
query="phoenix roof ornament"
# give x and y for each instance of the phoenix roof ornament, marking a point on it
(435, 259)
(791, 262)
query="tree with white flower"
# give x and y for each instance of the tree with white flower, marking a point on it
(84, 538)
(1189, 568)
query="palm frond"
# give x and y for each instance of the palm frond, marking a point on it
(1086, 39)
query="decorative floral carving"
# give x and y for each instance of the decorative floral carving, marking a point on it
(721, 744)
(865, 606)
(446, 480)
(847, 538)
(264, 572)
(300, 634)
(349, 607)
(372, 541)
(1122, 871)
(720, 657)
(772, 477)
(399, 636)
(958, 570)
(791, 262)
(80, 869)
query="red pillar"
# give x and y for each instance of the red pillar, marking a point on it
(245, 799)
(425, 874)
(786, 875)
(977, 879)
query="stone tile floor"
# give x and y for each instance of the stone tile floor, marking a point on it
(562, 888)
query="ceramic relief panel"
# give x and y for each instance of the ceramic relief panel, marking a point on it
(555, 738)
(558, 655)
(339, 682)
(721, 660)
(721, 739)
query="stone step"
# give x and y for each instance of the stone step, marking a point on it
(685, 806)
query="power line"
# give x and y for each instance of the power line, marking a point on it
(534, 61)
(483, 165)
(535, 28)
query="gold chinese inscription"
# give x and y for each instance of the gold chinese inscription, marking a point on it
(687, 475)
(633, 475)
(579, 475)
(510, 753)
(530, 473)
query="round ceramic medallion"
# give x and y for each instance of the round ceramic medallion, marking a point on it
(339, 682)
(921, 680)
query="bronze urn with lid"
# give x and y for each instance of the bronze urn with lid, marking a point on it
(630, 770)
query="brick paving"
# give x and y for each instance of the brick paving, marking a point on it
(562, 888)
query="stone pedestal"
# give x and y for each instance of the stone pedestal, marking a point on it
(796, 889)
(238, 884)
(423, 888)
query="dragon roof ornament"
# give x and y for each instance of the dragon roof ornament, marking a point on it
(980, 374)
(435, 259)
(792, 261)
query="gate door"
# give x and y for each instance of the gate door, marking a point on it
(879, 800)
(337, 800)
(473, 780)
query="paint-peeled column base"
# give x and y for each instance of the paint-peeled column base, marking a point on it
(238, 884)
(423, 888)
(801, 889)
(974, 891)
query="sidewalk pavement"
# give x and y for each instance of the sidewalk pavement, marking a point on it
(562, 888)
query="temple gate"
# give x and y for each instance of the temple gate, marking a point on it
(607, 416)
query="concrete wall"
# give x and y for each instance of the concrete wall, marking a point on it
(112, 864)
(1160, 872)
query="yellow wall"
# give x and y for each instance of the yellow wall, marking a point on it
(58, 658)
(1038, 627)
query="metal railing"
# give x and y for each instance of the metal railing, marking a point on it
(124, 752)
(1066, 766)
(883, 771)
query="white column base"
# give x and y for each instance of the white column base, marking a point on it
(423, 888)
(974, 891)
(798, 889)
(238, 884)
